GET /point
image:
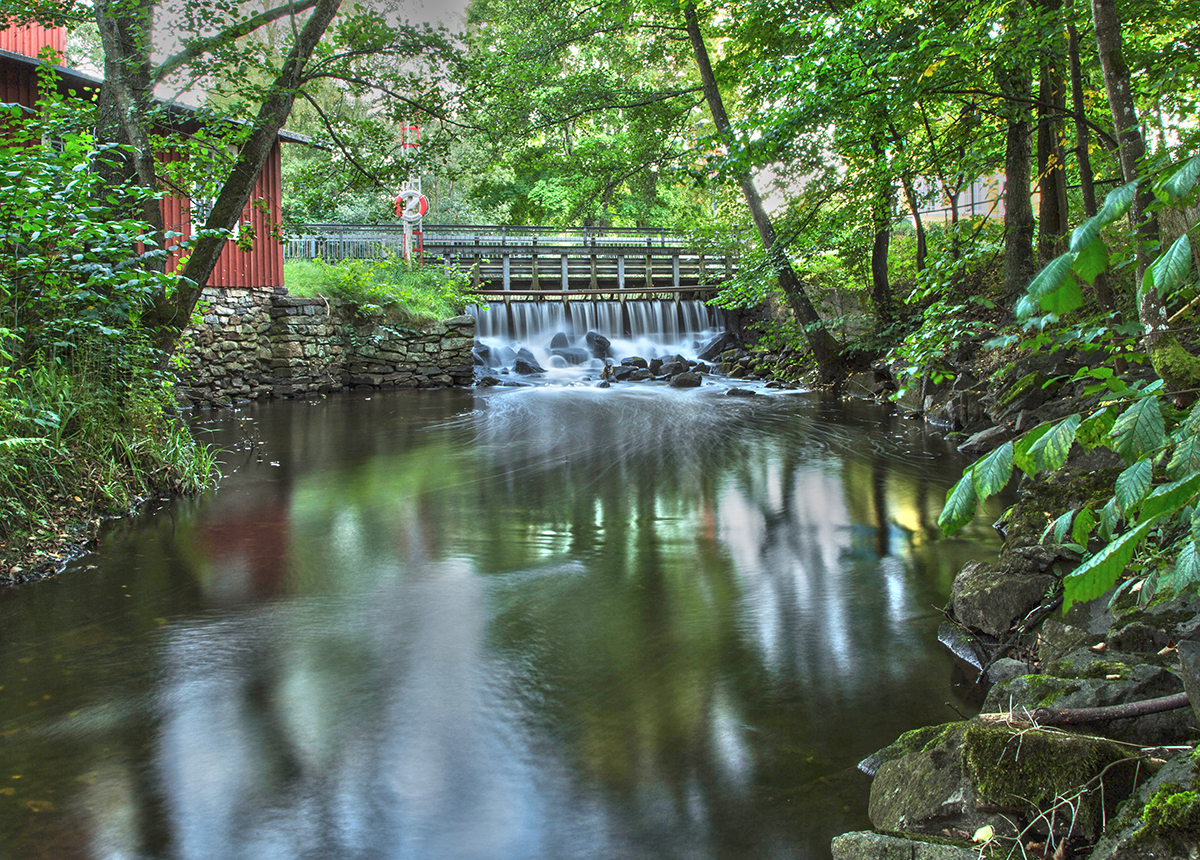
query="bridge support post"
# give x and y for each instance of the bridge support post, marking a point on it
(475, 278)
(506, 264)
(593, 283)
(675, 272)
(621, 273)
(533, 280)
(564, 273)
(649, 264)
(702, 275)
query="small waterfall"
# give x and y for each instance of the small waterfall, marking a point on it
(646, 328)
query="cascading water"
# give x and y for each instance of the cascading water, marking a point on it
(555, 335)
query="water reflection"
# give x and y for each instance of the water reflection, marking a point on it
(533, 623)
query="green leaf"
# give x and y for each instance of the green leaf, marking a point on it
(1091, 261)
(1187, 568)
(1183, 180)
(1100, 572)
(1082, 528)
(1171, 267)
(991, 474)
(1139, 430)
(960, 505)
(1062, 525)
(1052, 276)
(1110, 515)
(1021, 455)
(1051, 450)
(1085, 234)
(1063, 300)
(1185, 459)
(1133, 484)
(1095, 428)
(1171, 497)
(1117, 202)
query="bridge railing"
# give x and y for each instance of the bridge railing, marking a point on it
(534, 261)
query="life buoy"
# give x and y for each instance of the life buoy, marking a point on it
(411, 206)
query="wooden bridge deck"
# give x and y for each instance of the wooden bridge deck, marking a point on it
(536, 262)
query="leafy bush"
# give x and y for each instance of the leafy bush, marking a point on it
(1152, 520)
(413, 294)
(84, 402)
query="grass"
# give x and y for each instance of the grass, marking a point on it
(416, 295)
(77, 446)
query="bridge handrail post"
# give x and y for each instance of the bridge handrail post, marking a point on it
(649, 262)
(533, 281)
(594, 283)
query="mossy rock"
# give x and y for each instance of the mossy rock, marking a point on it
(963, 776)
(1161, 820)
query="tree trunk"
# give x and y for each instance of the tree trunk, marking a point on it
(1051, 160)
(1083, 158)
(126, 99)
(910, 196)
(881, 216)
(824, 348)
(170, 314)
(1177, 368)
(1015, 84)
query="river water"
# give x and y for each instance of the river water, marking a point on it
(555, 622)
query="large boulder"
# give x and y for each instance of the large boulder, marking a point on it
(990, 599)
(559, 341)
(953, 780)
(598, 344)
(525, 367)
(687, 379)
(712, 350)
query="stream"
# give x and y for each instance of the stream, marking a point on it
(536, 622)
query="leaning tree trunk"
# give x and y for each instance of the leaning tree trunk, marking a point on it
(824, 347)
(882, 206)
(170, 314)
(1177, 368)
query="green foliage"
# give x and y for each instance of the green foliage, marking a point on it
(1150, 522)
(83, 402)
(413, 294)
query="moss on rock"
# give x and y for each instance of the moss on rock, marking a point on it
(1172, 814)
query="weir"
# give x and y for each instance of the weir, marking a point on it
(560, 335)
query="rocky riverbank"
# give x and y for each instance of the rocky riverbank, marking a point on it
(1113, 784)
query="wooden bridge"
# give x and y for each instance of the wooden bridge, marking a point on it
(535, 262)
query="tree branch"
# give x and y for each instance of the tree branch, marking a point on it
(198, 47)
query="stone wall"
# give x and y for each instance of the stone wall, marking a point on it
(254, 343)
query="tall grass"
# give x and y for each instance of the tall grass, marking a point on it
(77, 445)
(404, 292)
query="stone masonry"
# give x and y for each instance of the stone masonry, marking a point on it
(255, 343)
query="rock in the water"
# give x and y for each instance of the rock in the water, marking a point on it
(635, 361)
(967, 775)
(986, 440)
(687, 379)
(560, 341)
(741, 392)
(868, 845)
(623, 372)
(990, 599)
(713, 349)
(488, 381)
(598, 344)
(527, 368)
(656, 365)
(572, 354)
(641, 374)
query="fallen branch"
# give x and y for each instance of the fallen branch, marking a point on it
(1077, 716)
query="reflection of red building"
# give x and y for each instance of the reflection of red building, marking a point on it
(247, 550)
(262, 266)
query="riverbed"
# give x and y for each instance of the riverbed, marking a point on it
(545, 622)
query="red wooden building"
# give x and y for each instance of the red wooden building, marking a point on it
(262, 266)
